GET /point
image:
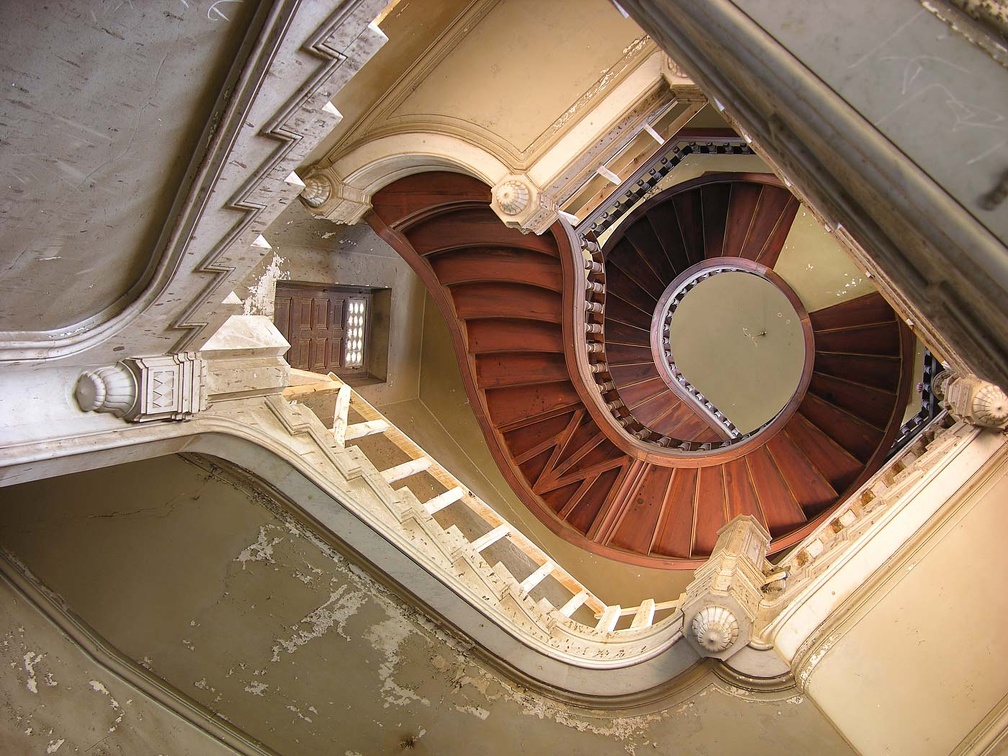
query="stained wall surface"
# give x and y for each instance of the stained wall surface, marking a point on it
(214, 588)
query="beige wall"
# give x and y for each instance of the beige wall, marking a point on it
(916, 663)
(207, 582)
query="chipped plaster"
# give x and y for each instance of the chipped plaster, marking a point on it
(335, 661)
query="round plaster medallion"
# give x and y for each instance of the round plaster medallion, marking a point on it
(991, 405)
(317, 191)
(90, 391)
(513, 197)
(715, 628)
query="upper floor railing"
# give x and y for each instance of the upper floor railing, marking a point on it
(514, 574)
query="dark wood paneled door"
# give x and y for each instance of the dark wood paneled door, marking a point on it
(314, 320)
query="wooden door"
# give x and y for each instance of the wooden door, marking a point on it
(313, 320)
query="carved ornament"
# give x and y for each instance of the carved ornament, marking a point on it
(715, 628)
(975, 401)
(145, 388)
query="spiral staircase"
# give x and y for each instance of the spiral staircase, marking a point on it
(611, 452)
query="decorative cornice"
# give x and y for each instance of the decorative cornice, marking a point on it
(206, 245)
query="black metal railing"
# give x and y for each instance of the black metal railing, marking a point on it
(930, 406)
(647, 177)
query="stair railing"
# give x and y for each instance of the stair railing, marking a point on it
(828, 542)
(586, 247)
(930, 406)
(589, 307)
(655, 625)
(643, 181)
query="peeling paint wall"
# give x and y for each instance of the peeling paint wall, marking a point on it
(55, 699)
(213, 587)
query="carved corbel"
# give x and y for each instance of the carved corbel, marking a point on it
(521, 204)
(720, 605)
(673, 73)
(972, 400)
(326, 195)
(142, 389)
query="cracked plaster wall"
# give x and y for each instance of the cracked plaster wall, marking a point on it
(87, 85)
(206, 582)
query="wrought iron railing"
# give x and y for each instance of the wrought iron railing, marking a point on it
(649, 175)
(930, 405)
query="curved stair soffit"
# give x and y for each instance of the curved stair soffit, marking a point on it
(585, 477)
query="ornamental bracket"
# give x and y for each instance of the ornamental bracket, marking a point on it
(720, 605)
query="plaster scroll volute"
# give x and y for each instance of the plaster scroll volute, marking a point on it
(521, 204)
(328, 196)
(973, 400)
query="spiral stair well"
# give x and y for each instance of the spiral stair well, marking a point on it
(564, 352)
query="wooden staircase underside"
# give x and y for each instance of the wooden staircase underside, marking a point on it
(504, 294)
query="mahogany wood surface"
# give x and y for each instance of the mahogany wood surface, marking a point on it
(505, 296)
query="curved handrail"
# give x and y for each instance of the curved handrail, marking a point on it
(676, 381)
(587, 357)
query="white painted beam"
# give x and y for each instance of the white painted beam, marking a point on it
(611, 615)
(340, 416)
(645, 614)
(441, 501)
(359, 430)
(574, 604)
(536, 577)
(412, 467)
(488, 539)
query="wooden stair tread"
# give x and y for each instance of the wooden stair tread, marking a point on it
(852, 433)
(877, 371)
(633, 257)
(520, 368)
(878, 338)
(504, 293)
(873, 405)
(492, 264)
(744, 199)
(508, 335)
(484, 300)
(665, 223)
(864, 310)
